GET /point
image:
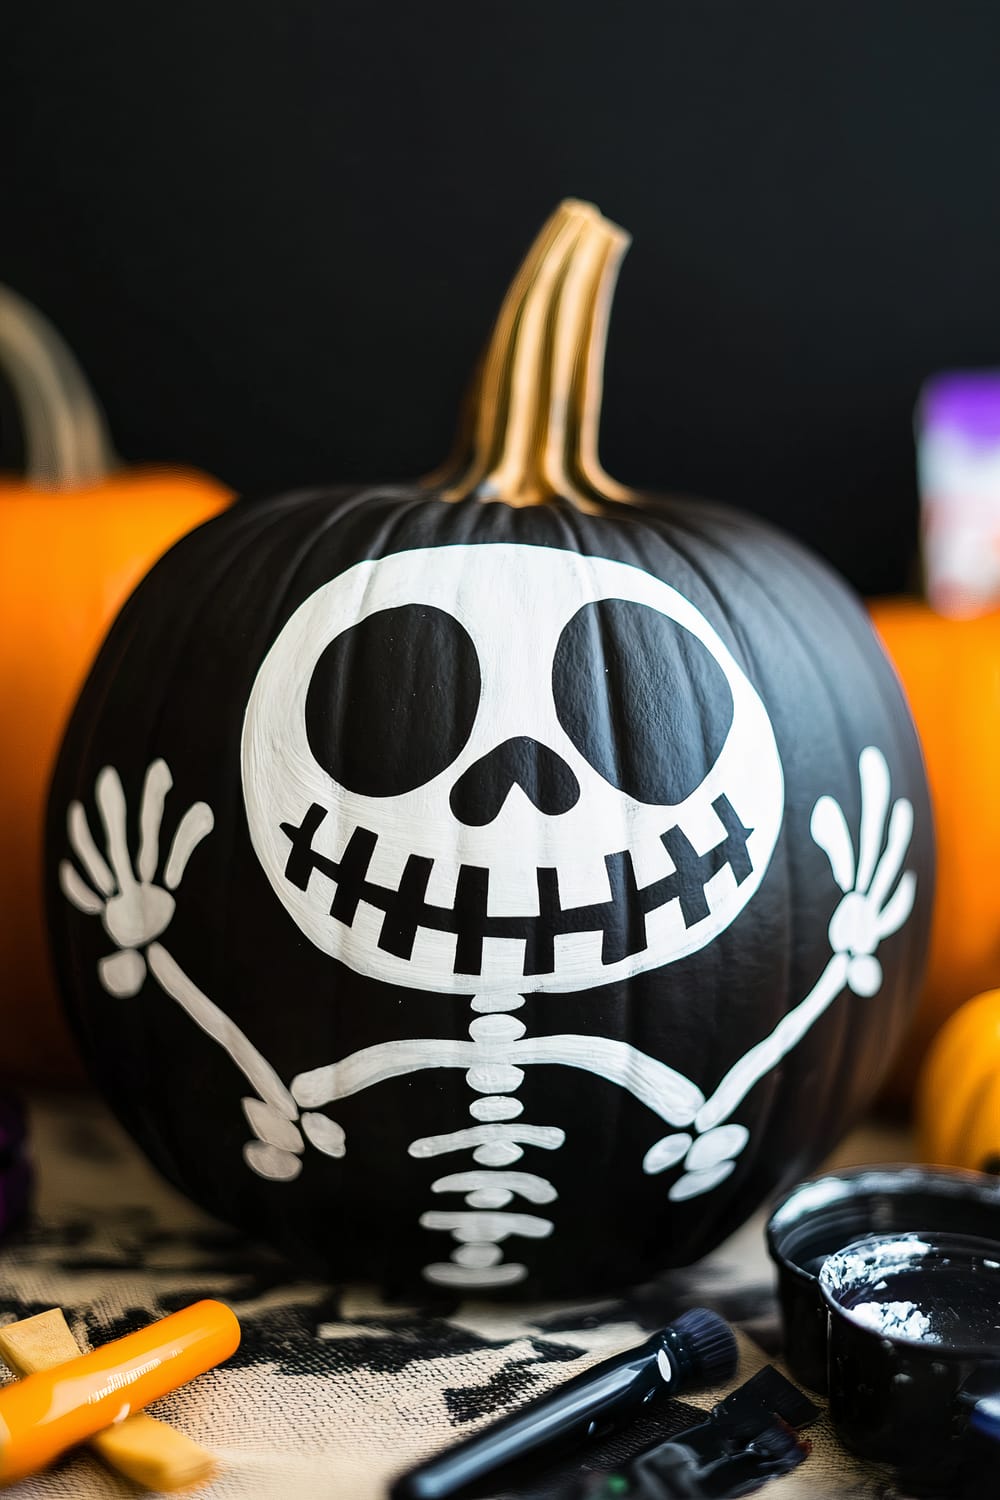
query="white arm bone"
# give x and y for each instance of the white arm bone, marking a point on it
(206, 1014)
(751, 1068)
(876, 901)
(866, 914)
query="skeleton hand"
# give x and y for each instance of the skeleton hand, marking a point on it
(866, 914)
(132, 908)
(135, 912)
(272, 1114)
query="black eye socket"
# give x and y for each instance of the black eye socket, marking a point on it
(642, 699)
(393, 699)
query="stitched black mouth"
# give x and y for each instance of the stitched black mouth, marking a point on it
(621, 920)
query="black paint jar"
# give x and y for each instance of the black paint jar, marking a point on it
(824, 1214)
(913, 1344)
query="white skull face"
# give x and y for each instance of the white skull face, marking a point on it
(537, 823)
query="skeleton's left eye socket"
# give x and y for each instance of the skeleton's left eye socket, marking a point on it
(392, 700)
(644, 702)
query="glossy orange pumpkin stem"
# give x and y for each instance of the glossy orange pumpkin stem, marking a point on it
(530, 434)
(66, 442)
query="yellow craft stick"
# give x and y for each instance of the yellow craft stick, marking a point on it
(145, 1450)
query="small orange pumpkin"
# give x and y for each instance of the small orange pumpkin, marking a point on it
(958, 1094)
(77, 533)
(950, 670)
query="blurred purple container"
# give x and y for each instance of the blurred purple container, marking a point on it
(958, 465)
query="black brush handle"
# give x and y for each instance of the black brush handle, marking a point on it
(590, 1405)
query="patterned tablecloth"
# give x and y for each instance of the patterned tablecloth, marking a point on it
(333, 1391)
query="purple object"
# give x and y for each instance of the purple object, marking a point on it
(958, 462)
(965, 401)
(16, 1173)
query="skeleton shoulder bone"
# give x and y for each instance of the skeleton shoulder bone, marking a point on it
(876, 900)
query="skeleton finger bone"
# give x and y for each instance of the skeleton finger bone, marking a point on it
(272, 1162)
(270, 1125)
(325, 1134)
(710, 1161)
(898, 907)
(195, 825)
(277, 1151)
(111, 806)
(874, 774)
(693, 1184)
(829, 830)
(154, 795)
(279, 1138)
(666, 1153)
(82, 843)
(897, 843)
(78, 891)
(717, 1146)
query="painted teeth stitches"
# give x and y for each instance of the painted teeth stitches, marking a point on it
(406, 910)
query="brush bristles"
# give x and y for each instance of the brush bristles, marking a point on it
(769, 1391)
(709, 1343)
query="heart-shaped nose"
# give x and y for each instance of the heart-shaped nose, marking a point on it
(544, 777)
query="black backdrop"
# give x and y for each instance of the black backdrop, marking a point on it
(276, 231)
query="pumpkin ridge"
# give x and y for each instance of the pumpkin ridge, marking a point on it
(677, 543)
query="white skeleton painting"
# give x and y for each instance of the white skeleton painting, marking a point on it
(376, 882)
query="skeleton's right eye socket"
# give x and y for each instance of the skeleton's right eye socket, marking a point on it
(392, 700)
(642, 699)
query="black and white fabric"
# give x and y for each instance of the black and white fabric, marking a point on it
(334, 1391)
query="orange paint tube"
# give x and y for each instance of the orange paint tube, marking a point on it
(46, 1413)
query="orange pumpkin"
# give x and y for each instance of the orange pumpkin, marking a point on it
(77, 532)
(950, 669)
(958, 1094)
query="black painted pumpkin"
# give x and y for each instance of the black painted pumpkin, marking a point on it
(545, 867)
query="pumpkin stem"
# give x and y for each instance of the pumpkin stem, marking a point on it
(529, 435)
(66, 442)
